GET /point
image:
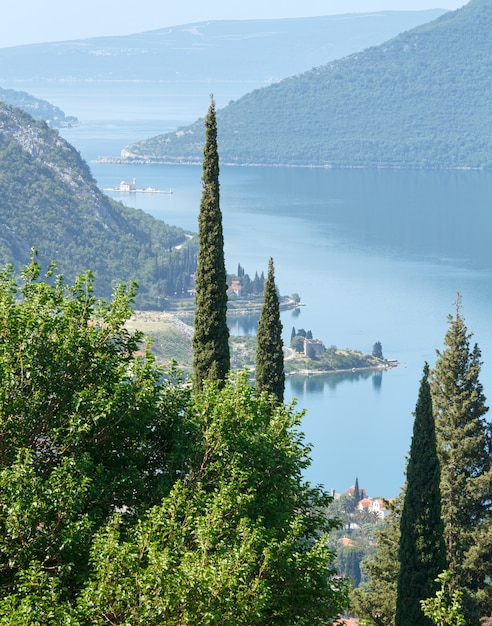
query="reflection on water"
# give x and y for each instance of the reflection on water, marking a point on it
(243, 324)
(316, 383)
(377, 380)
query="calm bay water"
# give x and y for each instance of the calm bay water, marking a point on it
(375, 256)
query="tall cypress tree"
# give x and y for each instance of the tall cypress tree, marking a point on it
(466, 467)
(422, 554)
(269, 373)
(357, 496)
(211, 356)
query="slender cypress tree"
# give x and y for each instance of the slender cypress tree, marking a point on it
(211, 356)
(357, 496)
(270, 375)
(466, 466)
(422, 553)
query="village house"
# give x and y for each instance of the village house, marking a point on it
(314, 346)
(234, 288)
(127, 185)
(373, 505)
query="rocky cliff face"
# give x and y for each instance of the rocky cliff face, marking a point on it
(50, 201)
(48, 149)
(34, 137)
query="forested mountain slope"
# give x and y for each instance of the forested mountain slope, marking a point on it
(49, 200)
(185, 63)
(259, 50)
(423, 99)
(39, 109)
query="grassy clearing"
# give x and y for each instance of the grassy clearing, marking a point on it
(170, 339)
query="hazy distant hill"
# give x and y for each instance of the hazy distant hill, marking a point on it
(38, 108)
(422, 99)
(49, 200)
(229, 58)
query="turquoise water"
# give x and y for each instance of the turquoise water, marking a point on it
(375, 256)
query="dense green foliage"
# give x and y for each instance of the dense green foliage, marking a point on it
(444, 609)
(211, 355)
(126, 498)
(422, 99)
(49, 200)
(269, 370)
(375, 599)
(238, 539)
(466, 466)
(377, 350)
(463, 448)
(421, 554)
(86, 429)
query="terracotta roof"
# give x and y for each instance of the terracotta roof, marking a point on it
(345, 541)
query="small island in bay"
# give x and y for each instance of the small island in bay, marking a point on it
(307, 356)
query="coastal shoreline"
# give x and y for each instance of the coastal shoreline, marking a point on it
(152, 321)
(115, 160)
(352, 370)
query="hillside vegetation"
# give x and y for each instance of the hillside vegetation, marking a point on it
(214, 50)
(128, 497)
(38, 108)
(183, 64)
(49, 200)
(423, 99)
(170, 340)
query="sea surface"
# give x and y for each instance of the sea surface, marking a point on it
(376, 255)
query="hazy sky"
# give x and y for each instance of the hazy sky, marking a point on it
(35, 21)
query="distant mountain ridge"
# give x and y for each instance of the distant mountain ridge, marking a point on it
(188, 62)
(422, 99)
(49, 200)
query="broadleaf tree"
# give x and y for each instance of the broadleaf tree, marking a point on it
(128, 497)
(86, 428)
(269, 371)
(241, 539)
(211, 354)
